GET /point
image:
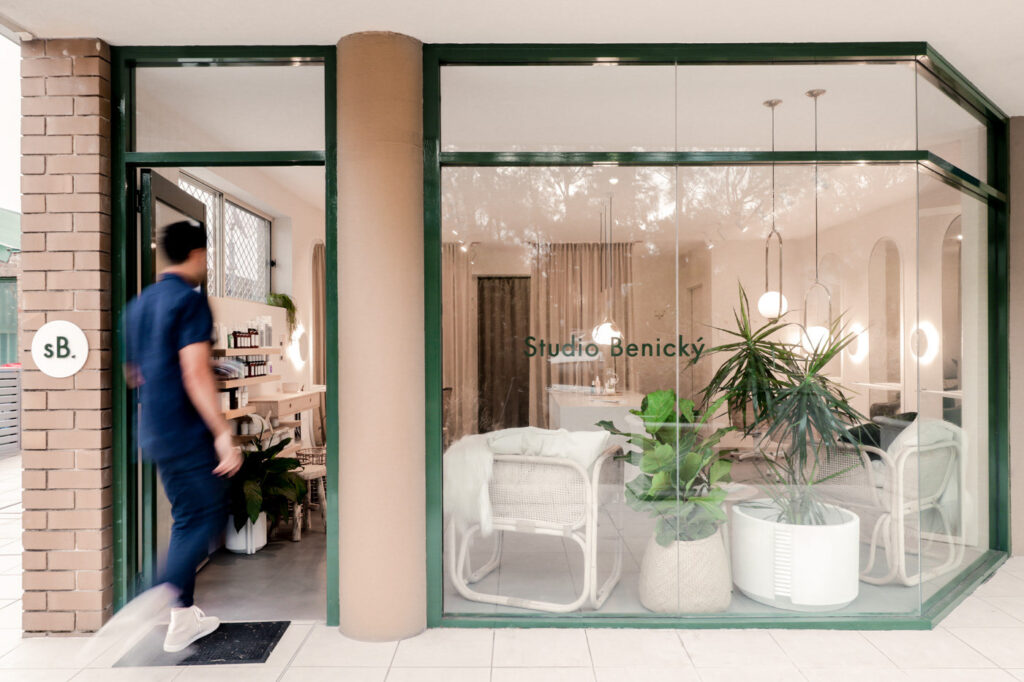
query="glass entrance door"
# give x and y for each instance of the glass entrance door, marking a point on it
(159, 204)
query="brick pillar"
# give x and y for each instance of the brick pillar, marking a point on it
(66, 438)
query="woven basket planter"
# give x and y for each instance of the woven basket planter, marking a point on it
(686, 577)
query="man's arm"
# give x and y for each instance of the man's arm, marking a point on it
(202, 391)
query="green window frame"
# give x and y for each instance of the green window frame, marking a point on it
(124, 62)
(992, 192)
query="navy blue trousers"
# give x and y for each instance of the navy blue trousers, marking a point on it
(199, 507)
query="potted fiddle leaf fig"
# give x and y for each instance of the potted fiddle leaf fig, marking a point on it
(263, 486)
(685, 567)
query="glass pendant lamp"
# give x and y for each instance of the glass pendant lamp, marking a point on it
(816, 336)
(772, 304)
(606, 330)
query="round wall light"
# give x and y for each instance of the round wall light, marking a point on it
(858, 349)
(924, 342)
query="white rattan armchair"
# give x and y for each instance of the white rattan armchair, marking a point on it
(544, 496)
(912, 480)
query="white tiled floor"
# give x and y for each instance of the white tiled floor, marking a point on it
(981, 641)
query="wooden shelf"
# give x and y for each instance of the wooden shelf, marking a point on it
(290, 423)
(239, 439)
(248, 381)
(240, 412)
(235, 352)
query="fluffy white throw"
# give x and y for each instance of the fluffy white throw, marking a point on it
(469, 463)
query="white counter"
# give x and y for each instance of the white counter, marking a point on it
(582, 411)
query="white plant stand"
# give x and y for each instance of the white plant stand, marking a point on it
(249, 540)
(795, 567)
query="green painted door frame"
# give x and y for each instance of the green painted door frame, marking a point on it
(992, 191)
(125, 161)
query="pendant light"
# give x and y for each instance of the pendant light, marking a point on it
(772, 304)
(816, 336)
(606, 330)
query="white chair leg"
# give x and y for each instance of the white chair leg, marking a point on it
(491, 563)
(297, 524)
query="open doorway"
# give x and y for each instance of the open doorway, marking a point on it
(263, 227)
(260, 172)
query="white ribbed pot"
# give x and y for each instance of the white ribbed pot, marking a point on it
(795, 567)
(249, 540)
(686, 577)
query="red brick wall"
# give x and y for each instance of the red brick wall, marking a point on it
(66, 439)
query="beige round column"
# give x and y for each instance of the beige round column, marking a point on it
(382, 532)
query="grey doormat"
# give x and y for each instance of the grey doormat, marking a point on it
(230, 643)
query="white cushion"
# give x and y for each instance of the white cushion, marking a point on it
(583, 447)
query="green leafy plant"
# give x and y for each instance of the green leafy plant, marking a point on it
(757, 368)
(680, 469)
(265, 483)
(804, 415)
(284, 301)
(810, 423)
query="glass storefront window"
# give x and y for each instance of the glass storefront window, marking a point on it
(605, 107)
(948, 129)
(864, 107)
(730, 389)
(230, 108)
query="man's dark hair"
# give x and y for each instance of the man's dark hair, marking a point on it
(181, 238)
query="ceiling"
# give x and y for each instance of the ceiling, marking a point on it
(980, 38)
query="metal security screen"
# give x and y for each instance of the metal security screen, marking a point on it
(238, 244)
(246, 254)
(212, 199)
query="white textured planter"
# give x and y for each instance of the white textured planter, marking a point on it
(686, 577)
(799, 568)
(249, 540)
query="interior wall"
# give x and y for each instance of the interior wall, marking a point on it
(297, 225)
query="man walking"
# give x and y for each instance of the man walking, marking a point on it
(181, 427)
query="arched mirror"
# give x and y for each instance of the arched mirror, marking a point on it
(885, 311)
(952, 317)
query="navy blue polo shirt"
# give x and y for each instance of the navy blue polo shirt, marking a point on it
(167, 316)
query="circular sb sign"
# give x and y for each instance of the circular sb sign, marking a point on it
(59, 349)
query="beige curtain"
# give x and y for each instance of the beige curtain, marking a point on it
(569, 295)
(459, 344)
(319, 334)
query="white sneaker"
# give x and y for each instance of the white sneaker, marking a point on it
(187, 625)
(129, 625)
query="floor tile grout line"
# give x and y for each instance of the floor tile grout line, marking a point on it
(686, 652)
(391, 663)
(879, 649)
(973, 648)
(590, 654)
(494, 641)
(995, 604)
(288, 665)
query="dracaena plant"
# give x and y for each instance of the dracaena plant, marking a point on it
(265, 483)
(680, 469)
(756, 368)
(809, 424)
